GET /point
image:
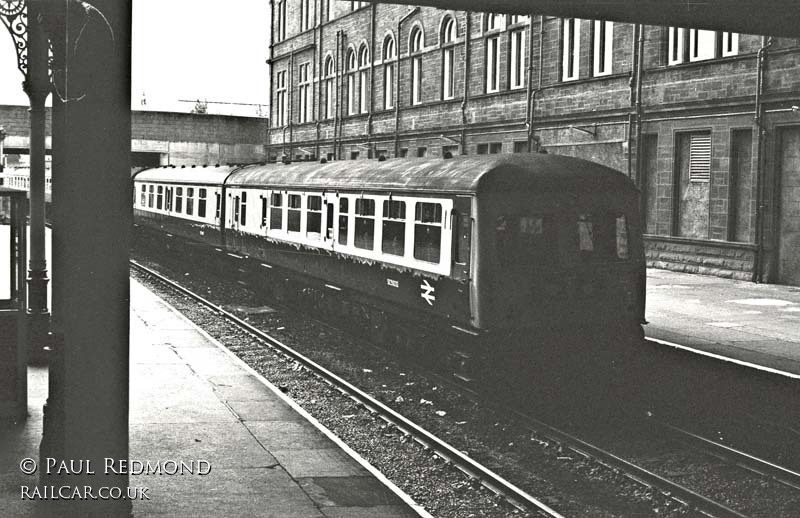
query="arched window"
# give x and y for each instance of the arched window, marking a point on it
(416, 44)
(448, 57)
(330, 72)
(363, 65)
(351, 81)
(492, 22)
(389, 64)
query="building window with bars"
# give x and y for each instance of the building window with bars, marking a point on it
(517, 58)
(448, 57)
(416, 46)
(389, 64)
(280, 98)
(571, 42)
(304, 91)
(603, 48)
(363, 66)
(700, 157)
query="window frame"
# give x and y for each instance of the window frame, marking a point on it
(571, 49)
(416, 47)
(602, 48)
(389, 54)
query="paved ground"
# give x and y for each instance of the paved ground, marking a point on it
(757, 323)
(191, 400)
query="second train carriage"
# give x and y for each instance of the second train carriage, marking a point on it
(495, 254)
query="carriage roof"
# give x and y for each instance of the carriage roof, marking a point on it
(200, 175)
(460, 175)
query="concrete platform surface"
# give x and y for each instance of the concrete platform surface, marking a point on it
(753, 323)
(192, 401)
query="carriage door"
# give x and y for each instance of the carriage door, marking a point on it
(462, 236)
(331, 199)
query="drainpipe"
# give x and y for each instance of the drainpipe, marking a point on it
(397, 83)
(465, 97)
(531, 112)
(291, 104)
(766, 43)
(319, 72)
(336, 114)
(638, 106)
(271, 120)
(371, 74)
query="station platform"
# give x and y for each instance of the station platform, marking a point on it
(752, 323)
(192, 400)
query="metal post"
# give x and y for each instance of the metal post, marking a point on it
(37, 87)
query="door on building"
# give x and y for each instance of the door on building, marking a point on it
(789, 199)
(691, 184)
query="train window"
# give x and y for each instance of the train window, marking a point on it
(394, 227)
(428, 232)
(276, 211)
(236, 206)
(218, 205)
(622, 237)
(150, 197)
(168, 199)
(243, 212)
(263, 211)
(365, 224)
(201, 202)
(159, 196)
(314, 217)
(293, 214)
(343, 220)
(179, 199)
(144, 195)
(189, 201)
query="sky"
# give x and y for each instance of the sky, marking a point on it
(184, 50)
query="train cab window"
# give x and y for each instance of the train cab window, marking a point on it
(243, 211)
(144, 196)
(603, 237)
(201, 202)
(314, 217)
(293, 213)
(428, 232)
(365, 224)
(344, 215)
(276, 211)
(525, 240)
(159, 196)
(189, 201)
(150, 197)
(179, 199)
(394, 227)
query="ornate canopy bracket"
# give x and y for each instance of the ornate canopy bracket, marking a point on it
(14, 14)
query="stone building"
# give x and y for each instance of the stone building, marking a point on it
(705, 122)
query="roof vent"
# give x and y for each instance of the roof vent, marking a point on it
(183, 166)
(216, 165)
(447, 154)
(382, 158)
(323, 160)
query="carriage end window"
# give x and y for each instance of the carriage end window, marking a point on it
(276, 211)
(314, 217)
(201, 202)
(428, 232)
(343, 220)
(365, 224)
(179, 199)
(394, 227)
(189, 201)
(293, 214)
(603, 236)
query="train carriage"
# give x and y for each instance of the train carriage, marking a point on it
(483, 256)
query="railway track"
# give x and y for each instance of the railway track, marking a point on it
(475, 471)
(685, 496)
